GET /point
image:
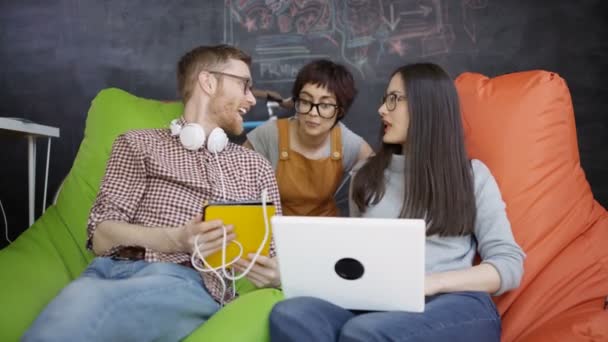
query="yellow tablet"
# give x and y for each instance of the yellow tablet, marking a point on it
(249, 227)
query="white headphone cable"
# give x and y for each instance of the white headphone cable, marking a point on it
(217, 159)
(348, 175)
(197, 253)
(5, 224)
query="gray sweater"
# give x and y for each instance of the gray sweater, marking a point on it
(492, 238)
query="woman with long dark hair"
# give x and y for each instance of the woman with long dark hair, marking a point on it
(422, 171)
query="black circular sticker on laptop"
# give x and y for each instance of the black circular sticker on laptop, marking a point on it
(349, 268)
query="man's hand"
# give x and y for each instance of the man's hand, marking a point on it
(210, 235)
(264, 273)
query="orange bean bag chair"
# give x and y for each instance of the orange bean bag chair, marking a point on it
(522, 126)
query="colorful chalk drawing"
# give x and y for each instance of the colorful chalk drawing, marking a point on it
(283, 35)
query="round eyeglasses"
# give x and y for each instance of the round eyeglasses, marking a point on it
(325, 110)
(390, 100)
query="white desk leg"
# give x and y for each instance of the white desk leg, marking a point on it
(31, 180)
(46, 174)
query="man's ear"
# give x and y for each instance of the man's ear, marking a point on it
(207, 82)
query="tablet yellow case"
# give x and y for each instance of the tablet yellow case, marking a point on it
(248, 221)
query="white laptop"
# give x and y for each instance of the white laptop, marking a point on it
(355, 263)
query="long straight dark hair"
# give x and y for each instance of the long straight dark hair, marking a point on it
(438, 177)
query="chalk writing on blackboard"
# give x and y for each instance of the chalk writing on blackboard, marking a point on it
(283, 35)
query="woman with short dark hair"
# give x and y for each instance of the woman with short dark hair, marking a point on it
(312, 151)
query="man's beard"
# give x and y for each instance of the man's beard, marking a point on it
(225, 116)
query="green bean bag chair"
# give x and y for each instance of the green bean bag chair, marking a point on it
(51, 253)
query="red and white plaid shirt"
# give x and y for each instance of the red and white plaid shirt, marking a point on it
(153, 181)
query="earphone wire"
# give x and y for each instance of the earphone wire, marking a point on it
(197, 251)
(217, 159)
(344, 181)
(224, 265)
(5, 224)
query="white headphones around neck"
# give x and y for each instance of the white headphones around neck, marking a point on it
(192, 136)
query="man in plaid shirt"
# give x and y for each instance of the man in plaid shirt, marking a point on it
(148, 211)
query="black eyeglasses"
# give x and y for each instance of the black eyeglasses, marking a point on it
(325, 110)
(390, 100)
(247, 84)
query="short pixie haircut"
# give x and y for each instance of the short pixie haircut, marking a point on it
(333, 76)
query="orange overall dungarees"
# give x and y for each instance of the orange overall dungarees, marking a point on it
(307, 186)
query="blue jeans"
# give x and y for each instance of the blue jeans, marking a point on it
(453, 317)
(120, 300)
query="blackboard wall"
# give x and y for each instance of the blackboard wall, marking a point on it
(55, 55)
